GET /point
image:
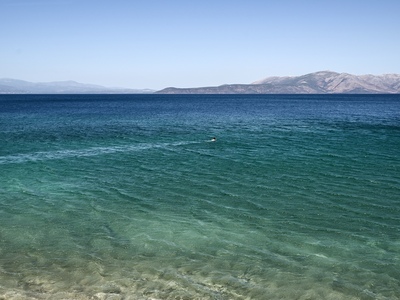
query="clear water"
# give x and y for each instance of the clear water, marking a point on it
(125, 197)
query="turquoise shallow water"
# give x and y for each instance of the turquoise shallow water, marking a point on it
(125, 197)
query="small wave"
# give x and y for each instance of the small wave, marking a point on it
(93, 151)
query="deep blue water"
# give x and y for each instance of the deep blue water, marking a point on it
(126, 197)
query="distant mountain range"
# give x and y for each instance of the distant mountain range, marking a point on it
(324, 82)
(13, 86)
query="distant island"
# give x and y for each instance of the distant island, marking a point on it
(323, 82)
(13, 86)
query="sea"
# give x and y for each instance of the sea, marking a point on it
(128, 197)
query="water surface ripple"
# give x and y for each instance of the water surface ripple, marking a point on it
(126, 197)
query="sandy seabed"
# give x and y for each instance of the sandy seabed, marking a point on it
(166, 286)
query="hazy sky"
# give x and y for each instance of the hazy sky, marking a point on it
(156, 44)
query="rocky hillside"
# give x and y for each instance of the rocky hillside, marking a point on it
(324, 82)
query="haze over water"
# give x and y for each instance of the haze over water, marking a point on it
(126, 197)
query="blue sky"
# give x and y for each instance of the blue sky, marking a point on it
(156, 44)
